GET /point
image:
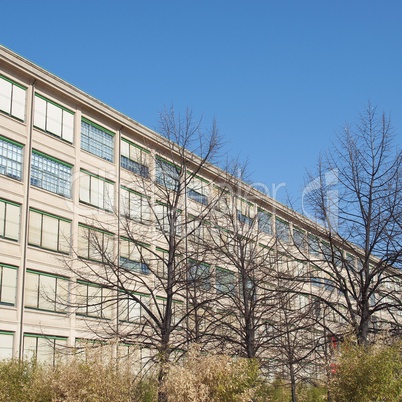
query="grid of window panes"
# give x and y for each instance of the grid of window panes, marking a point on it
(10, 159)
(264, 222)
(9, 220)
(96, 140)
(224, 280)
(167, 174)
(50, 174)
(8, 284)
(132, 257)
(12, 98)
(134, 158)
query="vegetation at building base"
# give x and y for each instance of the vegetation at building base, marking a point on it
(368, 373)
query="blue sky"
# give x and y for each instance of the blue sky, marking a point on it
(281, 77)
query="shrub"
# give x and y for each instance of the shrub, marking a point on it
(211, 378)
(368, 373)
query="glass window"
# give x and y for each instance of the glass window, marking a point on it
(134, 205)
(134, 158)
(8, 284)
(94, 300)
(299, 238)
(6, 345)
(198, 190)
(165, 219)
(43, 348)
(9, 220)
(224, 280)
(46, 292)
(96, 191)
(53, 118)
(51, 174)
(12, 98)
(167, 174)
(95, 244)
(10, 158)
(264, 221)
(130, 306)
(282, 230)
(49, 231)
(245, 212)
(133, 257)
(161, 263)
(97, 140)
(199, 275)
(313, 245)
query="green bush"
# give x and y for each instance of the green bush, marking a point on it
(368, 373)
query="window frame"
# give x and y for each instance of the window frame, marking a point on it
(105, 142)
(5, 222)
(44, 122)
(13, 101)
(11, 166)
(89, 255)
(42, 301)
(4, 284)
(130, 162)
(62, 248)
(52, 177)
(95, 198)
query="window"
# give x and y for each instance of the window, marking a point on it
(130, 310)
(198, 190)
(134, 205)
(161, 263)
(9, 220)
(177, 309)
(10, 158)
(49, 231)
(134, 158)
(166, 218)
(46, 292)
(282, 230)
(8, 284)
(133, 256)
(12, 98)
(245, 212)
(264, 221)
(97, 140)
(299, 238)
(53, 118)
(94, 244)
(313, 246)
(167, 174)
(6, 345)
(199, 275)
(43, 348)
(224, 280)
(94, 300)
(96, 191)
(51, 174)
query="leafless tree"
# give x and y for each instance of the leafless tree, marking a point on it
(157, 280)
(354, 255)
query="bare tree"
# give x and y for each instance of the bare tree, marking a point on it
(354, 257)
(153, 286)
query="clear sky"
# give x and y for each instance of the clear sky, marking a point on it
(281, 76)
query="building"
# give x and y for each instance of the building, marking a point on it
(67, 163)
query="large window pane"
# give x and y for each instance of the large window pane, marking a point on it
(50, 174)
(10, 158)
(97, 140)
